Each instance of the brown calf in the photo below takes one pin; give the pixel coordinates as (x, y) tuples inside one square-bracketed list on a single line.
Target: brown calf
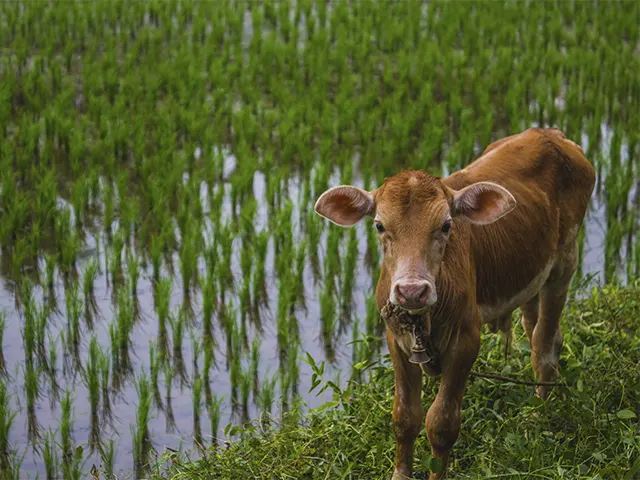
[(471, 248)]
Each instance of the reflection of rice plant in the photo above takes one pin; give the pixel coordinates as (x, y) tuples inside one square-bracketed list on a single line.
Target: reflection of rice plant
[(3, 324)]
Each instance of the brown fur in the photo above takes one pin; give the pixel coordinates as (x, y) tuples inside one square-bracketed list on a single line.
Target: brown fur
[(525, 259), (485, 266)]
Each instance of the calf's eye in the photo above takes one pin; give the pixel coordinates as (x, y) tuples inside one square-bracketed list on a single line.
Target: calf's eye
[(379, 227), (446, 226)]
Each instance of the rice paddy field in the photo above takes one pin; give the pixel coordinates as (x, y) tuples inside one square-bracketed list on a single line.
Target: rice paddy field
[(163, 273)]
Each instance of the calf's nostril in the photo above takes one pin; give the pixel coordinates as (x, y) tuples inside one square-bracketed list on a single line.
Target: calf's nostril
[(412, 293), (400, 295), (424, 294)]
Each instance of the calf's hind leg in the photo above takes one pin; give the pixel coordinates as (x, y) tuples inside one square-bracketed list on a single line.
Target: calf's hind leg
[(546, 338), (530, 312)]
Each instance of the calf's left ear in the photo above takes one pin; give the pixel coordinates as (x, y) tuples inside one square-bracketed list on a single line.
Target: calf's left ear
[(483, 202), (345, 205)]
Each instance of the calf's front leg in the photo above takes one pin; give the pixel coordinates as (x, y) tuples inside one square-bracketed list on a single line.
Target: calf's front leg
[(445, 414), (407, 409)]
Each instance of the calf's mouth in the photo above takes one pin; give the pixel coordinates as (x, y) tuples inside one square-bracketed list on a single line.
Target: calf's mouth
[(411, 330)]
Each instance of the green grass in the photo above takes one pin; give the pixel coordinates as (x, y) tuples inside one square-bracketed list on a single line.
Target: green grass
[(586, 430)]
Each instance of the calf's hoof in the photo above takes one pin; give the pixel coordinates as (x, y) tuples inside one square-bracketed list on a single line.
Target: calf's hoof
[(400, 476), (543, 391)]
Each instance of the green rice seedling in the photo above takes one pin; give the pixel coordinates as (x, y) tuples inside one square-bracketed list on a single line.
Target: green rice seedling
[(52, 371), (155, 363), (125, 315), (74, 311), (65, 427), (162, 296), (88, 281), (69, 244), (3, 324), (328, 319), (196, 349), (168, 382), (209, 360), (349, 272), (41, 323), (92, 381), (256, 343), (208, 302), (50, 277), (246, 382), (7, 416), (178, 323), (115, 261), (108, 455), (260, 245), (191, 245), (313, 231), (293, 368), (225, 275), (235, 378), (104, 366), (213, 408), (332, 259), (140, 432), (19, 257), (32, 394), (300, 265), (114, 337), (156, 253), (227, 321), (197, 401), (50, 457), (266, 398), (133, 267), (29, 330)]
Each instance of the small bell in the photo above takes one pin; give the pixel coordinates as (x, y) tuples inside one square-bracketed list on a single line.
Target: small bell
[(419, 356)]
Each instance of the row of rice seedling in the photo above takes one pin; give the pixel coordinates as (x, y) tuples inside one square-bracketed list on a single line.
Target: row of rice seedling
[(163, 150)]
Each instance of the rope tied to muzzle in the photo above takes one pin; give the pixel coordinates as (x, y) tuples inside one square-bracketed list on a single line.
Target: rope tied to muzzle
[(403, 322), (412, 323)]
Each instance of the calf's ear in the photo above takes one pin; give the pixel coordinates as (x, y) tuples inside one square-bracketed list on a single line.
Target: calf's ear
[(483, 202), (345, 205)]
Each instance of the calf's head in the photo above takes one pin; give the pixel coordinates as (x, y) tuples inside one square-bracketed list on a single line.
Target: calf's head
[(414, 214)]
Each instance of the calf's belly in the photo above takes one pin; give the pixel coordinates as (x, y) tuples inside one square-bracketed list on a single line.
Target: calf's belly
[(505, 306)]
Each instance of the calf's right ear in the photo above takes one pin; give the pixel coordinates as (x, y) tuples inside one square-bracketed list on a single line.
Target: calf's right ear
[(345, 205)]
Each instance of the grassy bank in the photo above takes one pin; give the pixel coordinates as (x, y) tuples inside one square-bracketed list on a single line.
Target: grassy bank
[(588, 430)]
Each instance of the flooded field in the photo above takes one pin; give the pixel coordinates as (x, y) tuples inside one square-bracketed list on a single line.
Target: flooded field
[(163, 273)]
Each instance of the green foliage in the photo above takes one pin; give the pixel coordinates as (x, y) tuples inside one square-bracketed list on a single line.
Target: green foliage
[(588, 429)]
